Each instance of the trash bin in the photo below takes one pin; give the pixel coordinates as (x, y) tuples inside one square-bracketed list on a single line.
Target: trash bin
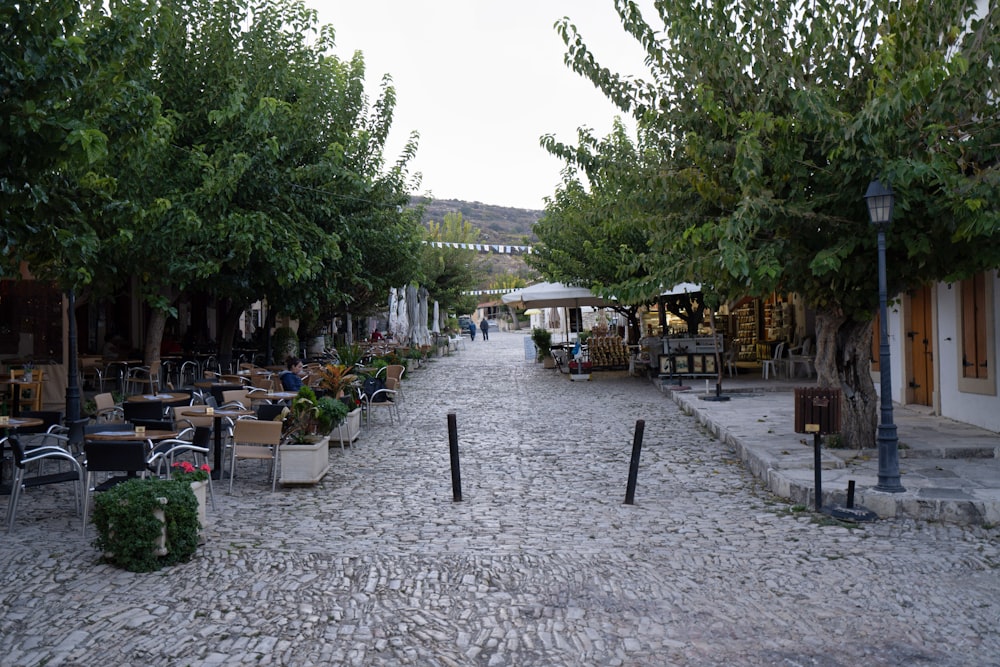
[(817, 410)]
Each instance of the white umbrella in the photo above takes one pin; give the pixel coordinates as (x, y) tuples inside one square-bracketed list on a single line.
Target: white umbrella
[(682, 288), (402, 330), (555, 295), (437, 318), (393, 315)]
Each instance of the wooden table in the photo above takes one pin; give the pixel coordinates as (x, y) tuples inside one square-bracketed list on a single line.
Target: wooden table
[(217, 415), (153, 435)]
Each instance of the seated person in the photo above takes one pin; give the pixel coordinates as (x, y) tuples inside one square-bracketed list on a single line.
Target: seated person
[(290, 379)]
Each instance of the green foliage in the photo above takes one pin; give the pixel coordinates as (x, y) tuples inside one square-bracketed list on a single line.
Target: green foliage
[(350, 355), (767, 120), (285, 343), (542, 338), (449, 272), (330, 413), (127, 530)]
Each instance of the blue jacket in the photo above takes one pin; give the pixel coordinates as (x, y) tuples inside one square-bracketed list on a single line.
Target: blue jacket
[(290, 381)]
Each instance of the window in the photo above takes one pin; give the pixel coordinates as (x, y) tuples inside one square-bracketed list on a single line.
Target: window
[(976, 334)]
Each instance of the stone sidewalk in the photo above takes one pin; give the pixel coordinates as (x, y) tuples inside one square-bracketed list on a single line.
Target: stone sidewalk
[(541, 563), (950, 470)]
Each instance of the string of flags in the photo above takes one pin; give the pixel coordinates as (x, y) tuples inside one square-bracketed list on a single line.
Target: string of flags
[(479, 292), (484, 247)]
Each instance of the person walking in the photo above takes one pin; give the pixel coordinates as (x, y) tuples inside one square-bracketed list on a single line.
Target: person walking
[(472, 330), (484, 326)]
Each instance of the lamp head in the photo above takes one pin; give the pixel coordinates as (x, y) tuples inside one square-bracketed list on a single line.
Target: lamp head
[(880, 200)]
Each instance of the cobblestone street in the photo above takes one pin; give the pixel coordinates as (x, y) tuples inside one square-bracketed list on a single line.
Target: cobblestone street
[(540, 564)]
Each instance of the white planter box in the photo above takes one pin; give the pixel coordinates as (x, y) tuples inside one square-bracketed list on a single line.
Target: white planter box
[(304, 464), (349, 431)]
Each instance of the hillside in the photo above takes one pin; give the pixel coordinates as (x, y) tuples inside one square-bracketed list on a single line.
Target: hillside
[(500, 224)]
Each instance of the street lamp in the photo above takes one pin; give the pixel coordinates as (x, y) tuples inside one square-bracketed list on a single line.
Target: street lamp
[(880, 199)]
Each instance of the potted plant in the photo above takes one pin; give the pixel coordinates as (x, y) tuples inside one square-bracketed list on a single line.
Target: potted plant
[(145, 524), (542, 338), (350, 355), (336, 379), (350, 429), (304, 454), (330, 413)]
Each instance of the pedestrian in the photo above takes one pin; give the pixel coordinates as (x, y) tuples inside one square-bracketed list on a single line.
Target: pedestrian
[(472, 330), (484, 326)]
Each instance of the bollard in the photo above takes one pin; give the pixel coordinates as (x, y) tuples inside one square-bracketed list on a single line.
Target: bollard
[(633, 466), (817, 472), (456, 475), (850, 494)]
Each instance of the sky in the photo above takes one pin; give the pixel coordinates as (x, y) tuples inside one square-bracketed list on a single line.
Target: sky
[(482, 81)]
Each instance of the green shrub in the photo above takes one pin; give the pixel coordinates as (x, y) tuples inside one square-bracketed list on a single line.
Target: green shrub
[(127, 530)]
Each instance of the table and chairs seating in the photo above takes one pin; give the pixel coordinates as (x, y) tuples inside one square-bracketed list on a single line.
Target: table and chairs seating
[(25, 390), (222, 422)]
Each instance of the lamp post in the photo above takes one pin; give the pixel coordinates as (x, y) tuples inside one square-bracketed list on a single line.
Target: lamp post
[(880, 200)]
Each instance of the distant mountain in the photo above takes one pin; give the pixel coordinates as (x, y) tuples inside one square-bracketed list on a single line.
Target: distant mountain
[(499, 224)]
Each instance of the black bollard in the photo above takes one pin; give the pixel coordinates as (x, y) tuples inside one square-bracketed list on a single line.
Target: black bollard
[(818, 471), (456, 475), (850, 494), (633, 466)]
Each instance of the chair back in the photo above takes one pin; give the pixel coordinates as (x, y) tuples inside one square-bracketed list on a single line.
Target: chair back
[(104, 401), (252, 435), (115, 456), (194, 415), (269, 411), (108, 428), (779, 350), (236, 396), (394, 371), (154, 424), (142, 410)]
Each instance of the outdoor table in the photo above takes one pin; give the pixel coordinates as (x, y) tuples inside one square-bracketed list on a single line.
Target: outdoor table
[(165, 398), (281, 395), (217, 415), (153, 435)]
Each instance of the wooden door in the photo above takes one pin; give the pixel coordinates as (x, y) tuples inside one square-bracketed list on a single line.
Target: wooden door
[(920, 348)]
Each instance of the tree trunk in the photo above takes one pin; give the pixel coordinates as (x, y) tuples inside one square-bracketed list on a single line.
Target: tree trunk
[(154, 337), (843, 359)]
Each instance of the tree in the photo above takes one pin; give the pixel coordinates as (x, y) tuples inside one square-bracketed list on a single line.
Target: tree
[(596, 236), (67, 100), (769, 136), (268, 166), (448, 273)]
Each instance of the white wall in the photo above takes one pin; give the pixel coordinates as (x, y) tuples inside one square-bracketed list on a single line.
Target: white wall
[(977, 409)]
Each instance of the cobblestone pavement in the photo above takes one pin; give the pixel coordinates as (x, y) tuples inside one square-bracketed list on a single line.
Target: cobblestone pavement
[(541, 564)]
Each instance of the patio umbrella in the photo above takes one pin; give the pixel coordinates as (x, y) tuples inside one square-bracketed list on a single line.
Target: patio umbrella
[(393, 315), (555, 295), (437, 318)]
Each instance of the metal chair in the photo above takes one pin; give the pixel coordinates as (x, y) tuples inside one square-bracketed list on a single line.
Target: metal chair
[(22, 480), (256, 439), (107, 456), (168, 451)]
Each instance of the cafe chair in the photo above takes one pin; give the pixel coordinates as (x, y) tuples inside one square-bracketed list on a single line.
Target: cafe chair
[(381, 399), (775, 363), (270, 411), (108, 456), (34, 436), (167, 452), (143, 379), (107, 409), (395, 372), (23, 480), (256, 439), (133, 410)]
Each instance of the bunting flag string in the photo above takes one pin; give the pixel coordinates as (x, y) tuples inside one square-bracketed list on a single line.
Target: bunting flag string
[(484, 247), (478, 292)]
